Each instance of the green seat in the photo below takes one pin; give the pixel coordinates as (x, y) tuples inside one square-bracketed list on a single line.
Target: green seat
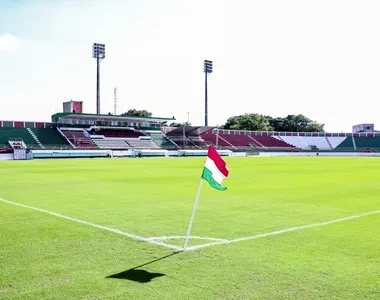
[(50, 137), (17, 134), (347, 144), (367, 142)]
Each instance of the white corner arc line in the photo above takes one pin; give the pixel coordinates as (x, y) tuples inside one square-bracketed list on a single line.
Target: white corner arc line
[(117, 231), (284, 230), (176, 237)]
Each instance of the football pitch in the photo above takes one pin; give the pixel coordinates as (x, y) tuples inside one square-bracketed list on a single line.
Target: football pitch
[(286, 228)]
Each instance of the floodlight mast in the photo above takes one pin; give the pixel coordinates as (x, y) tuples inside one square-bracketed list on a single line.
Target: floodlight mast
[(207, 69), (98, 52)]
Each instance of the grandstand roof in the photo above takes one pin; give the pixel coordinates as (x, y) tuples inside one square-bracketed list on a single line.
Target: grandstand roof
[(56, 116), (190, 130)]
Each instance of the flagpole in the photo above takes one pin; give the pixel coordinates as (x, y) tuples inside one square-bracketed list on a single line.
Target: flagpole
[(193, 214)]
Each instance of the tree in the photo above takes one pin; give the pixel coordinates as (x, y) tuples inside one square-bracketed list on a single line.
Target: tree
[(254, 122), (300, 123), (278, 124), (137, 113), (315, 127), (257, 122), (175, 124)]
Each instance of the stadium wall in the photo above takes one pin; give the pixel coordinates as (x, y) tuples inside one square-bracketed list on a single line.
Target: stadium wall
[(6, 156), (49, 154), (317, 154), (54, 154)]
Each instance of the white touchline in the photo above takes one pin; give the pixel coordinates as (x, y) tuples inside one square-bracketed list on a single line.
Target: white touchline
[(132, 236), (284, 230)]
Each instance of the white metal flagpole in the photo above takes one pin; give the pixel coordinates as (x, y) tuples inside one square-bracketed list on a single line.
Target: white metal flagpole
[(192, 216)]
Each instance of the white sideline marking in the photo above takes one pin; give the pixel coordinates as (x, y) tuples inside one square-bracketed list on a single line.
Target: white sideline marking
[(132, 236), (173, 237), (284, 230)]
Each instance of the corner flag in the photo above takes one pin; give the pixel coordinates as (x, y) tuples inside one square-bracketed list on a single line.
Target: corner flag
[(214, 171)]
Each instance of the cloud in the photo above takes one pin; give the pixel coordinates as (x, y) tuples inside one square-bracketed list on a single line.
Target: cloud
[(8, 43)]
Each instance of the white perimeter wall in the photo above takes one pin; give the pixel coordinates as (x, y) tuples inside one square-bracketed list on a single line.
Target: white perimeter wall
[(6, 156), (320, 154)]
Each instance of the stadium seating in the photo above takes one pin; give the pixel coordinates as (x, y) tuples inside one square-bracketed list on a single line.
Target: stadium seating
[(212, 138), (307, 142), (79, 138), (296, 141), (7, 134), (346, 145), (271, 142), (50, 138), (336, 140), (242, 140), (238, 140), (111, 143), (109, 137), (161, 140), (320, 142), (142, 144), (367, 142), (113, 133), (183, 141), (198, 141)]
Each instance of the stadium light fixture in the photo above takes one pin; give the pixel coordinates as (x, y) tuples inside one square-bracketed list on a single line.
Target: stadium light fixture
[(99, 53), (207, 69)]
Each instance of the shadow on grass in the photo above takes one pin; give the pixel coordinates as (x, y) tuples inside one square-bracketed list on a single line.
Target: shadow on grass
[(141, 276)]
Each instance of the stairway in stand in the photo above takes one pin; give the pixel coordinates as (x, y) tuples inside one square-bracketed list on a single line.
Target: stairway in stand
[(35, 138)]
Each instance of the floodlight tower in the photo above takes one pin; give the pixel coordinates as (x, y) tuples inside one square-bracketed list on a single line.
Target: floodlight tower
[(207, 69), (98, 52), (114, 101)]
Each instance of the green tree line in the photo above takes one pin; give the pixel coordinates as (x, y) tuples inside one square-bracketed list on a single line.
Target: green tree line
[(254, 122), (258, 122)]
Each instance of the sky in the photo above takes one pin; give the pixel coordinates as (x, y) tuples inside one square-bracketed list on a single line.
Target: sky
[(273, 57)]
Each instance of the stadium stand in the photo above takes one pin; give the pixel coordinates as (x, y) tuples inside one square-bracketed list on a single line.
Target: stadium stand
[(17, 134), (237, 139), (162, 140), (107, 137), (367, 142), (89, 131), (335, 140), (324, 143), (193, 137), (111, 143), (296, 141), (142, 144), (198, 141), (270, 142), (244, 140), (346, 145), (50, 138), (307, 142), (124, 143), (215, 140), (79, 138), (116, 132)]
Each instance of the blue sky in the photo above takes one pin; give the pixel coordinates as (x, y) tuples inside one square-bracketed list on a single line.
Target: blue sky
[(320, 58)]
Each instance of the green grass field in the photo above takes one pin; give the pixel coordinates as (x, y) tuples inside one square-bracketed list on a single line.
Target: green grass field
[(43, 256)]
